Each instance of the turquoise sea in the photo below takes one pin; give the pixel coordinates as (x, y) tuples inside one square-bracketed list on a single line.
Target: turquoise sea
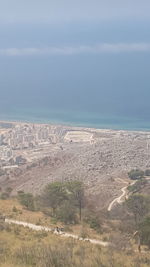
[(76, 118), (100, 91)]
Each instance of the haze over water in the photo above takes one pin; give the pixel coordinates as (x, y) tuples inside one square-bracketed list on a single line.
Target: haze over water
[(76, 69)]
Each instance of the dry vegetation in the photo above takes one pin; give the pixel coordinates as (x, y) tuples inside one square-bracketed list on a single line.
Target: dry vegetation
[(22, 247)]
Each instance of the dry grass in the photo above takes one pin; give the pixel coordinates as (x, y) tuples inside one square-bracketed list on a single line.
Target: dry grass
[(22, 214), (22, 247)]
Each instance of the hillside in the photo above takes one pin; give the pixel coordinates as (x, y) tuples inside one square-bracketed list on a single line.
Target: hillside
[(20, 247), (99, 161)]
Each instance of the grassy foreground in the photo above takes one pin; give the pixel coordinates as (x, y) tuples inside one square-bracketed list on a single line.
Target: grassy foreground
[(22, 247)]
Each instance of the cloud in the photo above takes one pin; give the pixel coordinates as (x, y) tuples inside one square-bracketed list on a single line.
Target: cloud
[(75, 50)]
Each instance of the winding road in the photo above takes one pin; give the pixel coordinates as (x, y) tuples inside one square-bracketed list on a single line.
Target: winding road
[(124, 194)]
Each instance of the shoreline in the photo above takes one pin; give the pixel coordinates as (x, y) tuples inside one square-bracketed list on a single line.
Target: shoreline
[(76, 118), (73, 126)]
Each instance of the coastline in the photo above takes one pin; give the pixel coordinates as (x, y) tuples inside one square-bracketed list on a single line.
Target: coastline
[(76, 118), (73, 126)]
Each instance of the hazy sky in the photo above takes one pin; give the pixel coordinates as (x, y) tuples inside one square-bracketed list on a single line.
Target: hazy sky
[(40, 11), (78, 54), (67, 27)]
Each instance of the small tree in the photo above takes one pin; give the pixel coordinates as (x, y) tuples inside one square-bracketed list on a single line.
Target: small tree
[(59, 195), (144, 230), (76, 189), (136, 174), (138, 205), (53, 195)]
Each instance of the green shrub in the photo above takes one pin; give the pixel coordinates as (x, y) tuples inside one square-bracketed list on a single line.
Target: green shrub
[(27, 200), (4, 195), (93, 220), (147, 172), (95, 224), (145, 231), (138, 185), (14, 209), (136, 174)]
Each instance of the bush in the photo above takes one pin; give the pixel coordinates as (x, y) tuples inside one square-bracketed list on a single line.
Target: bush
[(95, 224), (147, 172), (2, 172), (137, 186), (136, 174), (8, 190), (4, 195), (14, 209), (93, 220), (145, 232), (27, 200)]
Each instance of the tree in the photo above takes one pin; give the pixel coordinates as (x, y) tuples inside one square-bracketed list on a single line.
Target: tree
[(62, 197), (76, 190), (144, 230), (53, 195), (138, 205), (136, 174), (67, 213)]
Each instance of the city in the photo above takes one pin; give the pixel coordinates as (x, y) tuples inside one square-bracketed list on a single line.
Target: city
[(21, 137)]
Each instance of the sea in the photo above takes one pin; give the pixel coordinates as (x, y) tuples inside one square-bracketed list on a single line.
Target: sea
[(98, 91), (77, 118)]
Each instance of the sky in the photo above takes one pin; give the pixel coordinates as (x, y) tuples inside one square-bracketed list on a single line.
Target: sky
[(91, 56), (59, 11)]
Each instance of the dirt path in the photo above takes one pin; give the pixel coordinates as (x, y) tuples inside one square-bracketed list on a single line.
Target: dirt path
[(117, 199), (124, 193), (63, 234)]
